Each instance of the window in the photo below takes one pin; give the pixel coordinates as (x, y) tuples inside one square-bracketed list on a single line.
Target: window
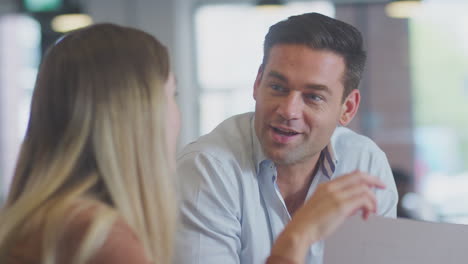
[(20, 54), (439, 49)]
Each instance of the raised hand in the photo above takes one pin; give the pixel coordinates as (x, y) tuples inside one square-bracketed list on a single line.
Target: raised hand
[(327, 208)]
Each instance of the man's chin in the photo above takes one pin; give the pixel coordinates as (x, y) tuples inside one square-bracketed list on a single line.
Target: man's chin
[(280, 157), (279, 153)]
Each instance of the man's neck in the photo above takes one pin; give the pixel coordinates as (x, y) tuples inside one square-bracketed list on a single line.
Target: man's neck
[(294, 181)]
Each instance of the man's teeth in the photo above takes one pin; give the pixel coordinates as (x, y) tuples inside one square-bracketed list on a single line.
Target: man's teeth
[(284, 132)]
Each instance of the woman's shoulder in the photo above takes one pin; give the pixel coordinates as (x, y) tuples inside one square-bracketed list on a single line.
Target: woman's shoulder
[(120, 246), (24, 251), (98, 234)]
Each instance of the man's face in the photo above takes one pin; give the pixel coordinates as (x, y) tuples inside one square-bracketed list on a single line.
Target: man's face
[(298, 96)]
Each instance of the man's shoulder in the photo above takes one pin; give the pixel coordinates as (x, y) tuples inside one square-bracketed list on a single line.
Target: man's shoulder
[(345, 139), (229, 139), (218, 160)]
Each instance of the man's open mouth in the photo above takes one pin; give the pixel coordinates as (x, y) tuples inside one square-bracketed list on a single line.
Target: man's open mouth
[(285, 132)]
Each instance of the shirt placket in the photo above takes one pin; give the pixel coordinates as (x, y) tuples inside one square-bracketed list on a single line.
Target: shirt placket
[(278, 215)]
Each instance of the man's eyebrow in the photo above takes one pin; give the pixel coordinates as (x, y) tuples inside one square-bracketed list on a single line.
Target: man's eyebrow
[(316, 87), (319, 87), (277, 75)]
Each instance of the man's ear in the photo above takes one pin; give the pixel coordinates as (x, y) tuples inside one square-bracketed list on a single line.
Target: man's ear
[(258, 79), (350, 107)]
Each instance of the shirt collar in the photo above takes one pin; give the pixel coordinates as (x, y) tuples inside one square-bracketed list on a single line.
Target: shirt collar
[(327, 160)]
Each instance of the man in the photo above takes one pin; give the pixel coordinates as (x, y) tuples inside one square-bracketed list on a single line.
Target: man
[(241, 183)]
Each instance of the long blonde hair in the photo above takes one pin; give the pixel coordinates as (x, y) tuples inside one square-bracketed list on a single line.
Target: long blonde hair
[(96, 133)]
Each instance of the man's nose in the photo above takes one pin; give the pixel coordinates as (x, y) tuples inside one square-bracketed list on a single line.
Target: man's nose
[(290, 106)]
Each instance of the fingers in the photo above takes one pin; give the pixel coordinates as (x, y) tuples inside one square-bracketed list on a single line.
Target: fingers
[(364, 202), (336, 200), (352, 192), (362, 194), (356, 198)]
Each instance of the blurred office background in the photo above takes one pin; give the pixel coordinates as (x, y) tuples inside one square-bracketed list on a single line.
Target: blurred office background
[(415, 87)]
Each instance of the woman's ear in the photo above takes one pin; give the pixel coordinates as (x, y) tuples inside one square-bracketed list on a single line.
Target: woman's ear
[(350, 107)]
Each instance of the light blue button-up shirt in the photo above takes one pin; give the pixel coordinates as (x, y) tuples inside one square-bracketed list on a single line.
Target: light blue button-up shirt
[(231, 207)]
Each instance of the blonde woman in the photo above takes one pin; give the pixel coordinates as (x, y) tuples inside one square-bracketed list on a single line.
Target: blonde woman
[(93, 183)]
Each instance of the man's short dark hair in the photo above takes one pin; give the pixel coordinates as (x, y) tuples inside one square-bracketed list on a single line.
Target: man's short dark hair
[(322, 33)]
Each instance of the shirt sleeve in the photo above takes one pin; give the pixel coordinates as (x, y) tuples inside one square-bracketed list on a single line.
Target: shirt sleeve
[(387, 198), (209, 230)]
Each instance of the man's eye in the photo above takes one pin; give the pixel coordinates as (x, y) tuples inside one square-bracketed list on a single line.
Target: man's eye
[(314, 97), (277, 88)]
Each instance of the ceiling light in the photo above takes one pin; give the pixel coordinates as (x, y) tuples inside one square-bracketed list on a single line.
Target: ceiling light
[(402, 8), (67, 22), (270, 3)]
